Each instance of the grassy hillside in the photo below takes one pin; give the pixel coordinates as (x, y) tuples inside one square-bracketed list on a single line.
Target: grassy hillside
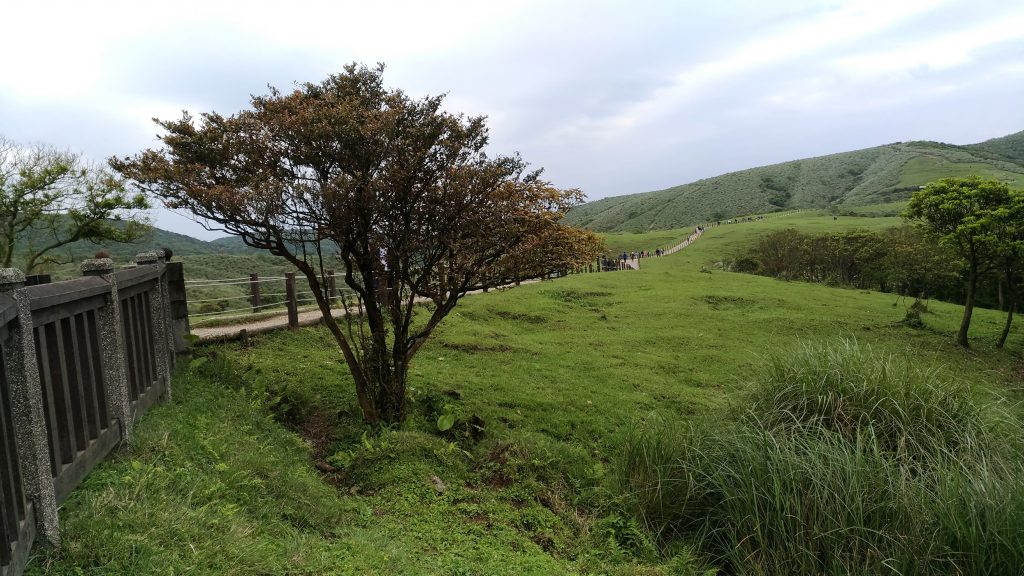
[(838, 181), (560, 372)]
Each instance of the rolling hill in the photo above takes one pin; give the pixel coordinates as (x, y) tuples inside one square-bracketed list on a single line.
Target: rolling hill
[(870, 176)]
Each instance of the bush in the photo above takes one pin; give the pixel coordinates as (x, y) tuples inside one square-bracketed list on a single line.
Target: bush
[(852, 391), (846, 462)]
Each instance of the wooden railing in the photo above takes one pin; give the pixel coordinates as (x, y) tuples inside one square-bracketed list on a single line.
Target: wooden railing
[(82, 361)]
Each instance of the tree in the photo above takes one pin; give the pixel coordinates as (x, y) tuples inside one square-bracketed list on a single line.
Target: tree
[(958, 212), (1008, 227), (50, 198), (399, 191)]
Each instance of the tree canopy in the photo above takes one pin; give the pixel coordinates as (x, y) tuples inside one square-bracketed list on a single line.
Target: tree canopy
[(50, 198), (963, 213), (398, 191)]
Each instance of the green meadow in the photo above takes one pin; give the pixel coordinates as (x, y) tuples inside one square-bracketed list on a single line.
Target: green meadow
[(260, 463)]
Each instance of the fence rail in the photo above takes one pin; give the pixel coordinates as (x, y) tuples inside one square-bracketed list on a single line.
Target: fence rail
[(80, 362), (285, 294)]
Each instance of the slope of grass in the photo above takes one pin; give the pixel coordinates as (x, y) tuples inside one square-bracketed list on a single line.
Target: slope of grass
[(556, 371), (870, 176), (924, 169), (1007, 147)]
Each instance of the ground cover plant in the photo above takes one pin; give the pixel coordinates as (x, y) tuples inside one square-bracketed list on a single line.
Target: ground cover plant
[(542, 385)]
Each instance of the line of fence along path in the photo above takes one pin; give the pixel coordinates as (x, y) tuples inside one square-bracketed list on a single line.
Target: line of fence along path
[(241, 325), (80, 362), (262, 294)]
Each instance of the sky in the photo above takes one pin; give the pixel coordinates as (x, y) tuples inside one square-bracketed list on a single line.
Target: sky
[(609, 97)]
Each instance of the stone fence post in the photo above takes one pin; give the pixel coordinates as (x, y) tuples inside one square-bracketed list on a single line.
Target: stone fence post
[(159, 312), (178, 308), (27, 408), (111, 334)]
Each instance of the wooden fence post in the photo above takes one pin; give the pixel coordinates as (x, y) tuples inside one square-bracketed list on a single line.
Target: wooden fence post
[(332, 287), (254, 290), (293, 308), (27, 410)]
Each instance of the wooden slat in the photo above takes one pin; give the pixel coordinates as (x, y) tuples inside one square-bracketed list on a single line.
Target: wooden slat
[(62, 382), (96, 364), (49, 401), (128, 279), (73, 474), (129, 351), (136, 289), (73, 378), (7, 538), (140, 345), (23, 544), (133, 335), (53, 313), (84, 357), (146, 315), (64, 293), (146, 401)]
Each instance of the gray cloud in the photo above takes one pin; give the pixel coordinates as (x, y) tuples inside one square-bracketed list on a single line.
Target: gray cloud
[(610, 98)]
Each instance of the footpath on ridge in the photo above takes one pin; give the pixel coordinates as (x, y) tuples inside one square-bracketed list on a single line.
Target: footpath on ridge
[(310, 317)]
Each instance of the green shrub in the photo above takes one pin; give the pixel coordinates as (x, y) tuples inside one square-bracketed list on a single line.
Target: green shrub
[(847, 462), (852, 391)]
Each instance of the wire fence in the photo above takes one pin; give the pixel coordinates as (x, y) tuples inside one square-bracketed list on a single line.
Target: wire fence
[(212, 300)]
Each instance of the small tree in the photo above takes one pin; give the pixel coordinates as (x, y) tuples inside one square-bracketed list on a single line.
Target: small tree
[(958, 212), (399, 191), (50, 198), (1008, 226)]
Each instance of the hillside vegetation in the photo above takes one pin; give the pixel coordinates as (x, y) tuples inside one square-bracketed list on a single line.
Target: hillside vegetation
[(572, 474), (840, 182)]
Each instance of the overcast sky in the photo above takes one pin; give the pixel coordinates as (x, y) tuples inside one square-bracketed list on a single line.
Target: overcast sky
[(610, 97)]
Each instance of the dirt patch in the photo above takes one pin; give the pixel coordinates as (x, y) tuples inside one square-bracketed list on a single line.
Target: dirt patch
[(318, 430)]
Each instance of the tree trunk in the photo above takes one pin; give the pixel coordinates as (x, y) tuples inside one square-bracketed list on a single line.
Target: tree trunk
[(1002, 302), (1006, 327), (391, 397), (965, 323), (1011, 307)]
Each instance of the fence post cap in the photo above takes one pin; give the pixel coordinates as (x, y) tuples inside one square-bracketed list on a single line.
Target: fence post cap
[(96, 266), (147, 257), (11, 278)]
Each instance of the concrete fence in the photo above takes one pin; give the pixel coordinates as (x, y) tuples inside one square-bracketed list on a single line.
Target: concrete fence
[(80, 362)]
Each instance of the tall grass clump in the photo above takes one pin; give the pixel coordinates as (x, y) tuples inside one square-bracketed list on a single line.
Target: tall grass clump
[(851, 390), (845, 461)]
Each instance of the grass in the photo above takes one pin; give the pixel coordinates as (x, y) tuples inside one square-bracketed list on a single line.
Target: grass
[(924, 169), (842, 461), (557, 371)]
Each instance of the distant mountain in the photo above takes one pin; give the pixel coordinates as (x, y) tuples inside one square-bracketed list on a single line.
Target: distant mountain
[(232, 245), (870, 176)]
